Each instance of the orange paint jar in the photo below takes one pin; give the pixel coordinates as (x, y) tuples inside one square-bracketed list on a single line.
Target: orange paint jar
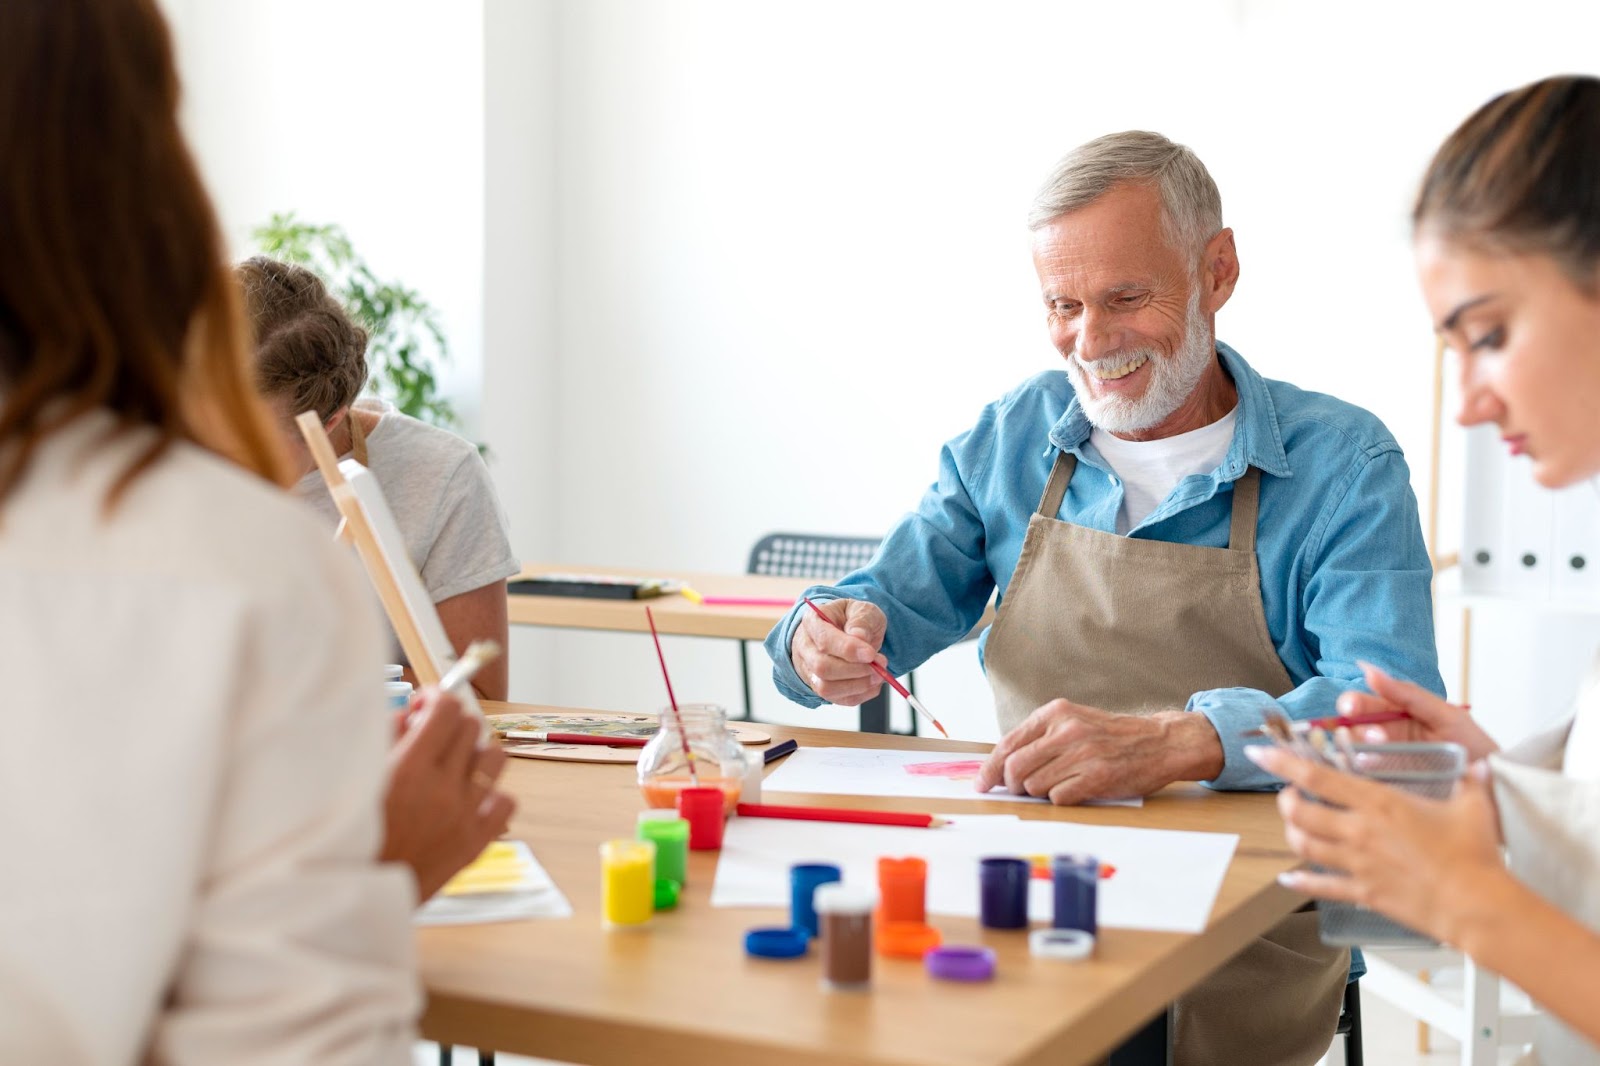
[(902, 891)]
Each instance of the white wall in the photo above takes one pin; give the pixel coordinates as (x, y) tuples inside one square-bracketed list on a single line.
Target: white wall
[(735, 267), (365, 114), (520, 268), (792, 256)]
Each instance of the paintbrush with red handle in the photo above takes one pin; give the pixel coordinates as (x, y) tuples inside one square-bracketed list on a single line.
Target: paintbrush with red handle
[(915, 703)]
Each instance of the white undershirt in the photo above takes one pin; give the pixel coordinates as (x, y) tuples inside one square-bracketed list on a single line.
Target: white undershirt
[(1151, 469)]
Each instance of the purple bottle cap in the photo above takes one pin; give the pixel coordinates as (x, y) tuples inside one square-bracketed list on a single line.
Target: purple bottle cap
[(960, 963)]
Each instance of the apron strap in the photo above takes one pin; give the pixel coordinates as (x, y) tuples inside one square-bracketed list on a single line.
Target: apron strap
[(1246, 500), (1246, 497), (1055, 490)]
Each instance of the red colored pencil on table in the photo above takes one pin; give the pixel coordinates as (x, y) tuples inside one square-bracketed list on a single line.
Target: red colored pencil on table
[(894, 683), (842, 814)]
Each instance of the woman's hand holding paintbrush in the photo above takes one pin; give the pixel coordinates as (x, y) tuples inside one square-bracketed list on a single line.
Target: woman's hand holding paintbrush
[(441, 807)]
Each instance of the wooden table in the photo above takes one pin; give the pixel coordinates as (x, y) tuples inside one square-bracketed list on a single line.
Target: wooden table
[(684, 994), (674, 614), (677, 616)]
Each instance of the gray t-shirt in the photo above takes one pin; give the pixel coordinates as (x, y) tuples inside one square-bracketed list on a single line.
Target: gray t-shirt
[(442, 498)]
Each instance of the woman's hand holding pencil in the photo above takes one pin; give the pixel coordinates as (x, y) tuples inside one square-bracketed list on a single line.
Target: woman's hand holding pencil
[(1428, 718)]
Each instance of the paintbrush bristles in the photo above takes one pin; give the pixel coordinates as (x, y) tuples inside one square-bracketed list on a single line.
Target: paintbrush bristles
[(479, 654)]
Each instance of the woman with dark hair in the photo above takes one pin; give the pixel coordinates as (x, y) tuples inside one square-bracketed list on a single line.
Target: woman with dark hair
[(309, 356), (1507, 232), (194, 736)]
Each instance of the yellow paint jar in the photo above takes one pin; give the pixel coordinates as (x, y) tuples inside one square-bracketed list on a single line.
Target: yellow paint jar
[(627, 882)]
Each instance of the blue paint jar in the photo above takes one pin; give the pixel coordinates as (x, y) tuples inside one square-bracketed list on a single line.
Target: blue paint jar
[(1076, 880), (803, 882), (1003, 893)]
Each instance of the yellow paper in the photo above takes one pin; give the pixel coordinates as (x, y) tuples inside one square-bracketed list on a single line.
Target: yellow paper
[(499, 868)]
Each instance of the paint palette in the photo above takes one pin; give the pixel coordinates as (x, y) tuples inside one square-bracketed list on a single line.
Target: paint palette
[(626, 726)]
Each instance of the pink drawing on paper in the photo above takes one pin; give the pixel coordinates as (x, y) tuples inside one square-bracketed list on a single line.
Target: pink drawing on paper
[(964, 770)]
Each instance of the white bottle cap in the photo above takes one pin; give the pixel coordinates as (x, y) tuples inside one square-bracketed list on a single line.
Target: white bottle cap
[(836, 897), (1071, 944)]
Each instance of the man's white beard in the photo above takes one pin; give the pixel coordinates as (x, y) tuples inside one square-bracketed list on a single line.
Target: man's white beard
[(1172, 380)]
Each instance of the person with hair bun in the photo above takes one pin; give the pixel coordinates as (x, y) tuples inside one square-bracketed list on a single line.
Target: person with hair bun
[(1507, 237), (311, 357)]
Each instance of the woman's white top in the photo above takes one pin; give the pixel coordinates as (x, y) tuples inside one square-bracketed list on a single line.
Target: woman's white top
[(1548, 793), (191, 767)]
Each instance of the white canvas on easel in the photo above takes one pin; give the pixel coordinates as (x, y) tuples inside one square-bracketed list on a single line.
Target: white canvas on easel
[(370, 526)]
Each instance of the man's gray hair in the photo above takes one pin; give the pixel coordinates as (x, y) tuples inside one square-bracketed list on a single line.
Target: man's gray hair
[(1192, 212)]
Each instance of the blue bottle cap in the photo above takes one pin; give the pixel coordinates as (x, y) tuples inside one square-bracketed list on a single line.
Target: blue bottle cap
[(776, 943)]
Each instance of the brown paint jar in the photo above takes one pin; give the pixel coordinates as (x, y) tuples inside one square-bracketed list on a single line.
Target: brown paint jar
[(844, 915)]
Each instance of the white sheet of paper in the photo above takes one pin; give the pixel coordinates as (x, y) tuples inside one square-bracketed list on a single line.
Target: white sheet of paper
[(537, 896), (875, 772), (1165, 879)]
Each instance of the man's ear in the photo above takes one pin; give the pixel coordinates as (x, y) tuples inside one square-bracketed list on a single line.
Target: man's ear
[(1219, 271)]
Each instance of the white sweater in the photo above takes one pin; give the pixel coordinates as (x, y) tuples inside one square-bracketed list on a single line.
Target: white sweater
[(192, 743)]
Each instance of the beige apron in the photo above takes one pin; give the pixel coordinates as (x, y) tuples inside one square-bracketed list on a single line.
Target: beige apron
[(1135, 626)]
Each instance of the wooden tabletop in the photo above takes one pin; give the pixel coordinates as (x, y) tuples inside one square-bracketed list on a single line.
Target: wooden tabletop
[(674, 614), (683, 993)]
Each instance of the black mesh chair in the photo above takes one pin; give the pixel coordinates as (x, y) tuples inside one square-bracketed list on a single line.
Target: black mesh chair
[(822, 558)]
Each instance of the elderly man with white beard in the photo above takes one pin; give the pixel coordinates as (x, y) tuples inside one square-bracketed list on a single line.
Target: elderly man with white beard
[(1177, 543)]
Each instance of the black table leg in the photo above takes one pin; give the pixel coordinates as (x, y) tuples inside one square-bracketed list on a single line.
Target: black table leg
[(1150, 1046)]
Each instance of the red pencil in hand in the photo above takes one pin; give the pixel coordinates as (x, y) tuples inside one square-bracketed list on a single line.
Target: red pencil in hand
[(1340, 721)]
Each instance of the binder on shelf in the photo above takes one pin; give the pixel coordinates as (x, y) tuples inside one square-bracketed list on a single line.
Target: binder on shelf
[(1575, 544), (1484, 556), (1530, 511)]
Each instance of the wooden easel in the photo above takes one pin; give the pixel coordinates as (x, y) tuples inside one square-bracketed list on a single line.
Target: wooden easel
[(382, 566)]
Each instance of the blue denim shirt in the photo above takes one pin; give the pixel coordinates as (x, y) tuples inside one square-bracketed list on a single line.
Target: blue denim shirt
[(1344, 571)]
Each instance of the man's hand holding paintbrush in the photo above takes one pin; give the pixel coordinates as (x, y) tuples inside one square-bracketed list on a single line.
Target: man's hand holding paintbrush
[(835, 649)]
